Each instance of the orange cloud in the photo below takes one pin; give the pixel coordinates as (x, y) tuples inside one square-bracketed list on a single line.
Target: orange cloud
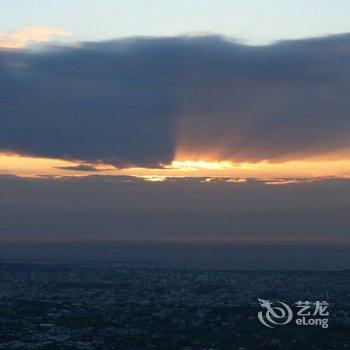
[(271, 173), (31, 35)]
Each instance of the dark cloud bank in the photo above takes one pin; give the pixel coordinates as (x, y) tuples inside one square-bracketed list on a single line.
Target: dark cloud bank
[(295, 226), (128, 101)]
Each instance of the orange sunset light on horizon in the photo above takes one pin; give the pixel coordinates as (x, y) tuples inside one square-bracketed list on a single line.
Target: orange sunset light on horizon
[(29, 166)]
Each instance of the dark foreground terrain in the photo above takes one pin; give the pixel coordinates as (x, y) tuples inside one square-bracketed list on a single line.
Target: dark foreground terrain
[(106, 305)]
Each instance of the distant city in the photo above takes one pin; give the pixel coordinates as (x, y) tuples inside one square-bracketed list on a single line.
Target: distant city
[(109, 305)]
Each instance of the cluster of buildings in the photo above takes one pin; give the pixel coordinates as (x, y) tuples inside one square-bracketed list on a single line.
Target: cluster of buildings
[(106, 305)]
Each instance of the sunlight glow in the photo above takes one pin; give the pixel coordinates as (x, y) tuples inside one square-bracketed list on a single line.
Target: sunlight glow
[(191, 165), (153, 178), (26, 166)]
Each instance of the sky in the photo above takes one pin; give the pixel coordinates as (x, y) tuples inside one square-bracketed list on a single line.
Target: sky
[(160, 127), (254, 21)]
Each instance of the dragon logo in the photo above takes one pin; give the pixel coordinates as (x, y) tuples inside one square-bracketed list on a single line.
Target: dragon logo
[(274, 315)]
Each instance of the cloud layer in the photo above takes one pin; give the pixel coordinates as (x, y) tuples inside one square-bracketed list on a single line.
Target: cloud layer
[(32, 35), (123, 207), (139, 101)]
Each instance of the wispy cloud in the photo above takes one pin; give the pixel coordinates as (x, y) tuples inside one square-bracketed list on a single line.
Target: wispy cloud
[(80, 167), (32, 35)]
